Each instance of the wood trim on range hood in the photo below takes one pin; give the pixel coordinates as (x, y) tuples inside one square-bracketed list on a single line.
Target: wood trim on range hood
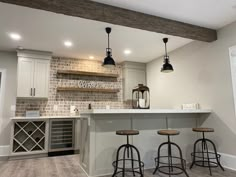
[(101, 12)]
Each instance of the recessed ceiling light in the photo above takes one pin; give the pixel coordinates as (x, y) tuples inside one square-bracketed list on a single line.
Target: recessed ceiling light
[(127, 52), (68, 43), (91, 57), (15, 36)]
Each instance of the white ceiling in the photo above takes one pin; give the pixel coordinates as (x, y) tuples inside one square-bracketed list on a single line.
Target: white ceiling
[(41, 30), (207, 13)]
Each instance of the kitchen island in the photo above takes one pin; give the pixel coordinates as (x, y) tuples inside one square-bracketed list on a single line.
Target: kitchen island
[(99, 141)]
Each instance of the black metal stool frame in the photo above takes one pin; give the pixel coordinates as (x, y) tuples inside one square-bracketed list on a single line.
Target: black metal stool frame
[(129, 149), (170, 157), (204, 150)]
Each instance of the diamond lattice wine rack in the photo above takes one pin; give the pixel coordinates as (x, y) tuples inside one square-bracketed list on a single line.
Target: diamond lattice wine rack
[(29, 136)]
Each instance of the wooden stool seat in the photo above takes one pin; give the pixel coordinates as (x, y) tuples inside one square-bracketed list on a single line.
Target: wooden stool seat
[(127, 132), (203, 129), (168, 132)]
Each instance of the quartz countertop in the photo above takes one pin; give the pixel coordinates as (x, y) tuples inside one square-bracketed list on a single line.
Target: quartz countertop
[(120, 111), (47, 117), (144, 111)]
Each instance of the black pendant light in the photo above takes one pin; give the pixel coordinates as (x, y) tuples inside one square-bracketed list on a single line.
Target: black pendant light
[(167, 67), (108, 60)]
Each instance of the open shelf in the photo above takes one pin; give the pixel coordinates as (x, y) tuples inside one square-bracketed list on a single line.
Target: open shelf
[(85, 73), (87, 89), (29, 136)]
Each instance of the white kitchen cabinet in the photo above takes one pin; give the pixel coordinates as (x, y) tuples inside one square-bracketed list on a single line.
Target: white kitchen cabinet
[(25, 77), (41, 78), (133, 74), (33, 74)]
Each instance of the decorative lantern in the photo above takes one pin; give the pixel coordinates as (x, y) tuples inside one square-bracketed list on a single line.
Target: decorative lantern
[(141, 97)]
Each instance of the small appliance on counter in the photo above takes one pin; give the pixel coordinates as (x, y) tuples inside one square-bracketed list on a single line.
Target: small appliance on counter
[(141, 97)]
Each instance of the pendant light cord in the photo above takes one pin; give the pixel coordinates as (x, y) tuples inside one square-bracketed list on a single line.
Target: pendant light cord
[(108, 41), (166, 49)]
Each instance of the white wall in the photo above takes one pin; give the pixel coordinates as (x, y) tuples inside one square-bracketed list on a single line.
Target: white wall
[(202, 75), (232, 53), (8, 62)]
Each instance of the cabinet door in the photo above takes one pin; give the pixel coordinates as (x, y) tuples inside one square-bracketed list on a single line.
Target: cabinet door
[(133, 78), (41, 78), (25, 77)]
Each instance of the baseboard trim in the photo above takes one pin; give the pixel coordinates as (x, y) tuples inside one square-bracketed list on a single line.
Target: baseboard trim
[(107, 174), (228, 161), (31, 156), (4, 151), (4, 158)]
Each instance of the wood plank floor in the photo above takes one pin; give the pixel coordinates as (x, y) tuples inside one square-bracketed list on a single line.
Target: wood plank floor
[(68, 166)]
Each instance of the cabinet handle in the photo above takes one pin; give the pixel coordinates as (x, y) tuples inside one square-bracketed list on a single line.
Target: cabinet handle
[(34, 91), (31, 92)]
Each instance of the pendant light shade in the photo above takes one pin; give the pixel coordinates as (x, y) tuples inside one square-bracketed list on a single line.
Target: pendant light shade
[(167, 67), (108, 60)]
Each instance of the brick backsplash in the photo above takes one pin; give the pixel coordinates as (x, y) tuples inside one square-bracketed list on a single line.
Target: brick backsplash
[(64, 99)]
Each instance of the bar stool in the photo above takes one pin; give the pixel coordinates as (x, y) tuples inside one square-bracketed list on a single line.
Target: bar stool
[(172, 167), (204, 158), (128, 163)]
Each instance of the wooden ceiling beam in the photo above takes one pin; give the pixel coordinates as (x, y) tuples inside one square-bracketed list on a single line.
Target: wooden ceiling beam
[(100, 12)]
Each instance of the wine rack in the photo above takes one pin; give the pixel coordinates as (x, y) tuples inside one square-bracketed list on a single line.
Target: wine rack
[(61, 135), (29, 137)]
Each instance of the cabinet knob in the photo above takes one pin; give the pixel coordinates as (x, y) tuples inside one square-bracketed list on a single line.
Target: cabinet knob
[(34, 91), (31, 92)]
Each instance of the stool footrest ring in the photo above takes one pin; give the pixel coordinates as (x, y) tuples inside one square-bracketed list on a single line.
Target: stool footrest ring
[(203, 161), (135, 169), (205, 157), (176, 168), (118, 164)]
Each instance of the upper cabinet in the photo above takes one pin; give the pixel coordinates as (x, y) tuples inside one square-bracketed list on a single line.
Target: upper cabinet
[(33, 74), (133, 74)]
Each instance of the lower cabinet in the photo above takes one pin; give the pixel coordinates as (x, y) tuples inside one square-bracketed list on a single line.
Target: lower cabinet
[(29, 137), (33, 137)]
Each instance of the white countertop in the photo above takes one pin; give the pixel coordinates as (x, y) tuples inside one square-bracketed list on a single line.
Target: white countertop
[(120, 111), (47, 117), (143, 111)]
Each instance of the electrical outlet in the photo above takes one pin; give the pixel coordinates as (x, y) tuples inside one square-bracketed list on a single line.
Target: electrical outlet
[(55, 108)]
